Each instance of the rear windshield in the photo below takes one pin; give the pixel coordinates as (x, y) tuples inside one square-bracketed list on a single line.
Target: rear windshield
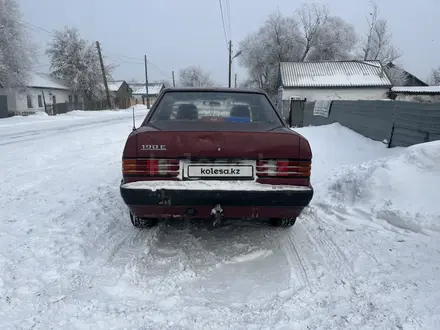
[(231, 107)]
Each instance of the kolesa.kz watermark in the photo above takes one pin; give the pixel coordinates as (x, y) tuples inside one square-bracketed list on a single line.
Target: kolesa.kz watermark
[(220, 171)]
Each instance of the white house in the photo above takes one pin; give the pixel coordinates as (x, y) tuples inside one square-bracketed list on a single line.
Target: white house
[(423, 94), (120, 93), (41, 89), (139, 91), (333, 80)]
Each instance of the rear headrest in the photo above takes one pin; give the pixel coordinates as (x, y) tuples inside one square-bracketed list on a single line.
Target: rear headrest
[(187, 111), (240, 111)]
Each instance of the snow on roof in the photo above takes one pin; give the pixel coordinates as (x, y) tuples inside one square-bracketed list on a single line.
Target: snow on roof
[(42, 80), (334, 74), (153, 89), (417, 89), (113, 86)]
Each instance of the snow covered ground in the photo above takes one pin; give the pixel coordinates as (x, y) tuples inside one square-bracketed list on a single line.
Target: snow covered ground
[(365, 254)]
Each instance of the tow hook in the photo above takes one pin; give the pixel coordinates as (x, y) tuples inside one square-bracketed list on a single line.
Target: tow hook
[(217, 215)]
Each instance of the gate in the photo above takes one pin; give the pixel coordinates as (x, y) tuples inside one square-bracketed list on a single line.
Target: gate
[(4, 113), (296, 112)]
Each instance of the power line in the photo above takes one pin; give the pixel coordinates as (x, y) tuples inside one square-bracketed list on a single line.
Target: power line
[(31, 26), (139, 61), (223, 22), (36, 28), (135, 60), (228, 11)]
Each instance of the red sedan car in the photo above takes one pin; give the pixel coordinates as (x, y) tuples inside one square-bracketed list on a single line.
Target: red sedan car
[(215, 153)]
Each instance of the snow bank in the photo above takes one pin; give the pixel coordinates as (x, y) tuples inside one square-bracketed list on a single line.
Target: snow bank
[(362, 176), (401, 190), (93, 113), (334, 146), (41, 116)]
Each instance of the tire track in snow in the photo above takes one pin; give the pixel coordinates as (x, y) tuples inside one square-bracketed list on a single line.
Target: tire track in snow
[(297, 248), (29, 135), (328, 249), (174, 256)]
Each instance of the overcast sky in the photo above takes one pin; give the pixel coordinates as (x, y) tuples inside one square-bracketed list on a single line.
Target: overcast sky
[(177, 33)]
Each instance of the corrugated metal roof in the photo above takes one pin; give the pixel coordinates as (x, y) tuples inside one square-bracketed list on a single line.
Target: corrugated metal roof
[(334, 74), (42, 80), (417, 89), (113, 86), (139, 89)]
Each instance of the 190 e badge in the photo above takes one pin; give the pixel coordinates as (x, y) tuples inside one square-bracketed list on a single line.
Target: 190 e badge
[(157, 147)]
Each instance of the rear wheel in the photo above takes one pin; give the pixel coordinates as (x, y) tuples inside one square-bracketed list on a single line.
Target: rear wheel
[(140, 222), (283, 222)]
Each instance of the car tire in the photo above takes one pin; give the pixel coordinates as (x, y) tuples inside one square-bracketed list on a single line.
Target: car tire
[(140, 222), (283, 222)]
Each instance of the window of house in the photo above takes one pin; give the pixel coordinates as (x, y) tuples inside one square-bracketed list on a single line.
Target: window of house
[(70, 99), (29, 101), (40, 101), (76, 98)]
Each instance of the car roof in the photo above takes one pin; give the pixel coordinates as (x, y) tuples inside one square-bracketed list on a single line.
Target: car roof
[(214, 89)]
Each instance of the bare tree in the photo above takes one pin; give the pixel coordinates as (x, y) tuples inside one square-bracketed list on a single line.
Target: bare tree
[(17, 53), (309, 34), (378, 41), (75, 60), (194, 76), (312, 18)]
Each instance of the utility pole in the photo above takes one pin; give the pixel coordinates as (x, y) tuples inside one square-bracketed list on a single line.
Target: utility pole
[(146, 81), (235, 83), (174, 81), (230, 62), (104, 76)]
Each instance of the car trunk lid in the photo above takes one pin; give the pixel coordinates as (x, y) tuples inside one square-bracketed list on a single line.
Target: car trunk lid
[(219, 144)]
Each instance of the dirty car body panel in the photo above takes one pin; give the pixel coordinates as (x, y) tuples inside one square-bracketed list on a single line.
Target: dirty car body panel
[(215, 152)]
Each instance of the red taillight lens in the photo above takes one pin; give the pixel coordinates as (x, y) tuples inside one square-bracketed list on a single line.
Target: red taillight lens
[(283, 168), (151, 167)]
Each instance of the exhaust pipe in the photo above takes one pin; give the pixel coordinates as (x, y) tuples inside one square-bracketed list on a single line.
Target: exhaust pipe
[(217, 215)]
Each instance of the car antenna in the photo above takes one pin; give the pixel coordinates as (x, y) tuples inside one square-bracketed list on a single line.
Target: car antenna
[(134, 123)]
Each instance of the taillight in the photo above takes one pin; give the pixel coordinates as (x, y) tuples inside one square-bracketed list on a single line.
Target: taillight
[(151, 167), (284, 168)]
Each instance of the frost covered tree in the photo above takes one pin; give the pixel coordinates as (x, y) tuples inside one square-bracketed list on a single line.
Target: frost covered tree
[(194, 76), (16, 50), (435, 76), (336, 40), (76, 60), (378, 42), (276, 41), (309, 34)]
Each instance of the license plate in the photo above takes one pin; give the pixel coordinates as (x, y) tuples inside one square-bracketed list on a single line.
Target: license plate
[(220, 171)]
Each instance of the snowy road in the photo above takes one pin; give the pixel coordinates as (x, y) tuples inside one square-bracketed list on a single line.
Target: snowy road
[(366, 254)]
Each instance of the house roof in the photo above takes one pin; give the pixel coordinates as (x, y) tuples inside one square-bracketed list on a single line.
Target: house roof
[(334, 74), (411, 79), (153, 88), (43, 80), (416, 89), (113, 86)]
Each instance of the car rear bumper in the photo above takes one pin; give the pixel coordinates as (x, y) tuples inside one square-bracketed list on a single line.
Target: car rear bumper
[(196, 199)]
